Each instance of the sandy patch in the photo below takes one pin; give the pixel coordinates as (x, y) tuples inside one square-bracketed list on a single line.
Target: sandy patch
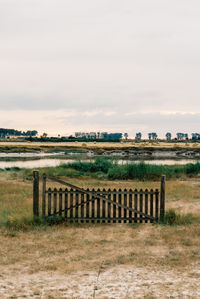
[(116, 282)]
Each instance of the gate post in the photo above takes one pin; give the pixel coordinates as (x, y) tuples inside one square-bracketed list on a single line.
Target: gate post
[(162, 197), (44, 180), (35, 193)]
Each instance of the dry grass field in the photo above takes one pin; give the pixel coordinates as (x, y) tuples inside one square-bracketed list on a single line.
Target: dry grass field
[(100, 260), (45, 146)]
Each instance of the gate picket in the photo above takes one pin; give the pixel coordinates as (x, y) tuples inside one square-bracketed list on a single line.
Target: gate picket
[(151, 204), (135, 204), (103, 206), (87, 206), (66, 203), (71, 203), (146, 204), (98, 206), (125, 204), (130, 204), (49, 201), (60, 201), (93, 207), (156, 204), (77, 206), (54, 201), (141, 204), (114, 207), (109, 206), (82, 207), (119, 208)]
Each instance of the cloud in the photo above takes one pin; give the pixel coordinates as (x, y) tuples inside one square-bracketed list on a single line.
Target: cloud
[(133, 64), (66, 122)]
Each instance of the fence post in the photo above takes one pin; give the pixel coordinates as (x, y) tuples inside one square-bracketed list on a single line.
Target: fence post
[(162, 197), (35, 193), (44, 179)]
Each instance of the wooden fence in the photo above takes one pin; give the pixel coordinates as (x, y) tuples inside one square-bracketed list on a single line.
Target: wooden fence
[(98, 205)]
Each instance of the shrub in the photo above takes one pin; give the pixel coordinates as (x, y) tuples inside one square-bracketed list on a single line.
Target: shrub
[(172, 218), (192, 169), (100, 164)]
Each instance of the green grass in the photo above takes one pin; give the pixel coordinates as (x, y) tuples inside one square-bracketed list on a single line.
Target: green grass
[(103, 168), (173, 218)]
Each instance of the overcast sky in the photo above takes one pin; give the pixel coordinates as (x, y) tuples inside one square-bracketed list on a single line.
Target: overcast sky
[(108, 65)]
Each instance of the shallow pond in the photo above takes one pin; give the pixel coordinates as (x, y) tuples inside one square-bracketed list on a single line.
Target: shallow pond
[(38, 160)]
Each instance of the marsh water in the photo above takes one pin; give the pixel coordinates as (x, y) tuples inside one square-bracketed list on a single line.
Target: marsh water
[(38, 160)]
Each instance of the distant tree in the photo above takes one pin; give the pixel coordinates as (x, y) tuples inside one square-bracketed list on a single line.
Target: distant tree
[(182, 136), (44, 135), (168, 136), (152, 136), (126, 136), (195, 136), (138, 136)]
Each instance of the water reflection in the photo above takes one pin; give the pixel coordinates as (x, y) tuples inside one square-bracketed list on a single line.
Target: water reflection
[(30, 155), (53, 162)]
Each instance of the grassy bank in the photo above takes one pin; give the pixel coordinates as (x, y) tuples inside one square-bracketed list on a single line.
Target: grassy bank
[(103, 168)]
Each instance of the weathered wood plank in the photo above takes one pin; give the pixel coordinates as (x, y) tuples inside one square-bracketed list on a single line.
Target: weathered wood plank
[(55, 192), (93, 205), (103, 206), (156, 204), (49, 201), (119, 208), (77, 203), (135, 204), (60, 201), (141, 203), (130, 204), (82, 207), (98, 205), (71, 203), (109, 205), (88, 205), (146, 203), (125, 204), (151, 203), (66, 203), (114, 206), (35, 193), (106, 219), (44, 181), (162, 197)]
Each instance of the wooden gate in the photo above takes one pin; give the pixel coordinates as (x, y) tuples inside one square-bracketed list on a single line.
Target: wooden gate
[(98, 205)]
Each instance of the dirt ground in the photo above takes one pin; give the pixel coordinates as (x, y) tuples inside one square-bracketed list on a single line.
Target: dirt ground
[(101, 261), (116, 282)]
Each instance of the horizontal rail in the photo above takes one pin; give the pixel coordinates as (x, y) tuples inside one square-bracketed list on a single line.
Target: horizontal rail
[(101, 218), (107, 192)]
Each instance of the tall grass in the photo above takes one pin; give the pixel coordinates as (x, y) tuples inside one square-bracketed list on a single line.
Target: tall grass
[(139, 171), (173, 218), (103, 168), (100, 164)]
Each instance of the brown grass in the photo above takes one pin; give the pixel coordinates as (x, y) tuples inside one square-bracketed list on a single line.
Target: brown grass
[(16, 194), (45, 146), (72, 251), (68, 248)]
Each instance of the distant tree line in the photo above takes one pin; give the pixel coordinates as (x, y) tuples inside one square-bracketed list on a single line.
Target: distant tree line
[(12, 132)]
